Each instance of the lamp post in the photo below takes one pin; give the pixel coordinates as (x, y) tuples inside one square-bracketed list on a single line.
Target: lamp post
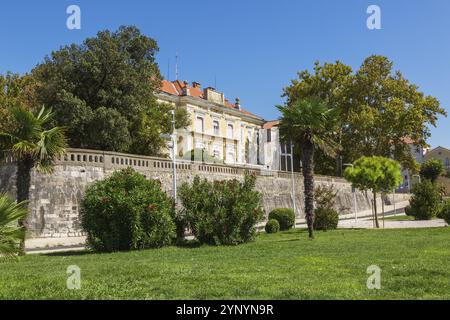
[(291, 155), (172, 145), (294, 202), (174, 162), (354, 194)]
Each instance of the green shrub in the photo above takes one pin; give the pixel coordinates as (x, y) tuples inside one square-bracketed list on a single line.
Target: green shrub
[(425, 202), (432, 169), (221, 212), (272, 226), (325, 219), (445, 211), (126, 212), (284, 216), (325, 196), (409, 211)]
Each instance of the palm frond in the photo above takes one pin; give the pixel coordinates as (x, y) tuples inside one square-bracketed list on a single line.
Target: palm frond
[(10, 232), (51, 144), (309, 120)]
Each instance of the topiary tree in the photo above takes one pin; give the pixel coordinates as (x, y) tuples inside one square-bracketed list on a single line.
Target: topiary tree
[(431, 169), (125, 212), (272, 226), (377, 174), (284, 216)]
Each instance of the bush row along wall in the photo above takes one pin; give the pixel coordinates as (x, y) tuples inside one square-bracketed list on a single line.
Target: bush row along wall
[(55, 199)]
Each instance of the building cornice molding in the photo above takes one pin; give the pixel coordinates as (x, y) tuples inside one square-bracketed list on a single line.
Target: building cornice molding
[(209, 105)]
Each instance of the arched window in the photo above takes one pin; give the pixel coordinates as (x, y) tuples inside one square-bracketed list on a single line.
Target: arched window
[(199, 125), (216, 127), (230, 133)]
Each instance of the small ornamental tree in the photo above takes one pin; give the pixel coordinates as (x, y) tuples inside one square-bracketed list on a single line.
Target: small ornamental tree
[(377, 174), (431, 169)]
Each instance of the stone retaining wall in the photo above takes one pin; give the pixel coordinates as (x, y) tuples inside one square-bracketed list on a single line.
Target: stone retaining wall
[(55, 198)]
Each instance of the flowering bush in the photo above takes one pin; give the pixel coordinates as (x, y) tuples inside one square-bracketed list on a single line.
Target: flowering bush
[(221, 212), (126, 212)]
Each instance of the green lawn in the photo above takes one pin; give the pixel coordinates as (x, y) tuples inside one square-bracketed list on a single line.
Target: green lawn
[(415, 264), (398, 218)]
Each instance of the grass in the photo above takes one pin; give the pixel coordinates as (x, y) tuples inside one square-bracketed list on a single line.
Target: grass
[(398, 218), (414, 263)]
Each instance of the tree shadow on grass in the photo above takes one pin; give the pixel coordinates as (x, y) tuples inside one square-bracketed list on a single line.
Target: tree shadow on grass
[(70, 253)]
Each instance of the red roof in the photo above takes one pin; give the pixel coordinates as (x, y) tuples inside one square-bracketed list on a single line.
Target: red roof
[(271, 124), (176, 88), (408, 140)]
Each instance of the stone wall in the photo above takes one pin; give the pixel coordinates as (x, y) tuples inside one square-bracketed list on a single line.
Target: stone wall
[(55, 198)]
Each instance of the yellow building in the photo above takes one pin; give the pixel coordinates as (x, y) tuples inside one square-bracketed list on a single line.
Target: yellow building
[(440, 153), (220, 131)]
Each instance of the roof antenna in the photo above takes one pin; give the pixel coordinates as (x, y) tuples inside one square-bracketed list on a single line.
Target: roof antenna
[(176, 66), (215, 82), (168, 69)]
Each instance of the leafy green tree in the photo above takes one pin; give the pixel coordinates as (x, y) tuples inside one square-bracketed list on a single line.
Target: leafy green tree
[(104, 90), (10, 233), (377, 174), (14, 92), (32, 145), (432, 169), (307, 122), (378, 108)]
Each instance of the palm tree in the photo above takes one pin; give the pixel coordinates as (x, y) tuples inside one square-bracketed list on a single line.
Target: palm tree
[(32, 145), (307, 122), (10, 233)]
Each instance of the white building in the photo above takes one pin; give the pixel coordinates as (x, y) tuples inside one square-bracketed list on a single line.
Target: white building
[(220, 131)]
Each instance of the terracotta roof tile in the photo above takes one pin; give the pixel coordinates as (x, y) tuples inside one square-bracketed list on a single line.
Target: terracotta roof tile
[(176, 88), (271, 124)]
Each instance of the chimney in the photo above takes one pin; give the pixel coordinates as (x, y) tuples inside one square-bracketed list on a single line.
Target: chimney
[(186, 91), (196, 85), (212, 95), (237, 104)]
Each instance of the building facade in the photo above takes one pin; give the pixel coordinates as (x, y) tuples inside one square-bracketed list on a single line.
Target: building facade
[(417, 153), (440, 153), (221, 131)]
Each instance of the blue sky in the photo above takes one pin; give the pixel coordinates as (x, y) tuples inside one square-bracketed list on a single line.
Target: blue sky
[(250, 49)]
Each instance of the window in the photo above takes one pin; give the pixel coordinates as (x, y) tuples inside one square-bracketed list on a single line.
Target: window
[(230, 131), (216, 127), (258, 160), (199, 124), (269, 135)]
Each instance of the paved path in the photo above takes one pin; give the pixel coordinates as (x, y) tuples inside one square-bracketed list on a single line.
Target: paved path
[(367, 223)]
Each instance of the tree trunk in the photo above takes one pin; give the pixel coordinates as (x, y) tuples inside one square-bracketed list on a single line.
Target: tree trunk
[(375, 209), (308, 182), (23, 183)]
